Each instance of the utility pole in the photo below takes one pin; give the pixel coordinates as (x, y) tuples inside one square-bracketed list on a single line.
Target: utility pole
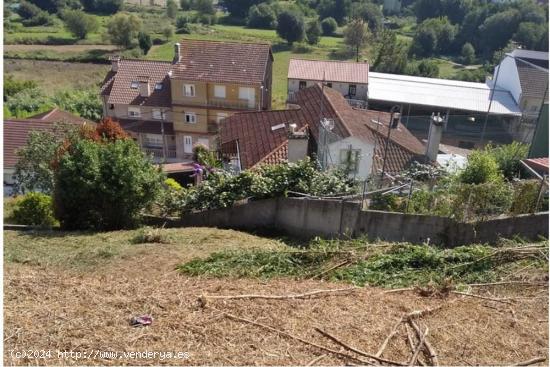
[(392, 124)]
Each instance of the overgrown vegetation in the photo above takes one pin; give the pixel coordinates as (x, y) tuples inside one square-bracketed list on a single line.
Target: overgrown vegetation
[(386, 265), (221, 189), (34, 209)]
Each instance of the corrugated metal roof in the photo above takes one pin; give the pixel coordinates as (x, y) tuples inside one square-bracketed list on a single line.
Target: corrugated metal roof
[(332, 71), (443, 93)]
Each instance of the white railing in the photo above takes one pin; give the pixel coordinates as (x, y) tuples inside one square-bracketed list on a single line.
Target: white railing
[(157, 152)]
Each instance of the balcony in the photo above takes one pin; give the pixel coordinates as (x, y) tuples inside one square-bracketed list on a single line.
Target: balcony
[(156, 152), (241, 104)]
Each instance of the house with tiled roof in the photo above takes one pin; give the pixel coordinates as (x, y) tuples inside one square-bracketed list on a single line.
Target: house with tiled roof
[(524, 73), (349, 78), (340, 135), (169, 107), (16, 133)]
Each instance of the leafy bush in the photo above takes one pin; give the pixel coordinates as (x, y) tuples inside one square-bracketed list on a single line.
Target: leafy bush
[(150, 235), (508, 158), (313, 32), (79, 23), (27, 10), (290, 26), (34, 209), (104, 185), (27, 101), (12, 86), (42, 18), (386, 202), (526, 194), (85, 103), (102, 6), (329, 26), (481, 201), (222, 190), (262, 16), (182, 25), (144, 41), (172, 184), (481, 168)]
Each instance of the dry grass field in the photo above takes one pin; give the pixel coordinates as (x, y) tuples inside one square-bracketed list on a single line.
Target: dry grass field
[(78, 291)]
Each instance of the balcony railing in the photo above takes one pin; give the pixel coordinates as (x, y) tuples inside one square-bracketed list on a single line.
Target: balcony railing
[(243, 104), (157, 152)]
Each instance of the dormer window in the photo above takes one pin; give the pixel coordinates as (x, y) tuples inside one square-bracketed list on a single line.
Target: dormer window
[(134, 85), (158, 86)]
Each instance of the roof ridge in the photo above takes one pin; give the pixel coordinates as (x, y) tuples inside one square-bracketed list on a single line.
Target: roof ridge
[(333, 61), (324, 95), (375, 132), (146, 60), (224, 41)]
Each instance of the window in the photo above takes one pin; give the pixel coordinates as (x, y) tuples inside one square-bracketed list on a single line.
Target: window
[(302, 85), (111, 106), (189, 90), (157, 114), (134, 112), (187, 144), (158, 86), (329, 84), (249, 94), (349, 160), (152, 140), (219, 91), (352, 90), (220, 116), (134, 85), (191, 118)]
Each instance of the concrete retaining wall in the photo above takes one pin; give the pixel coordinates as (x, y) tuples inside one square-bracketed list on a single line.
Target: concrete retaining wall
[(304, 217)]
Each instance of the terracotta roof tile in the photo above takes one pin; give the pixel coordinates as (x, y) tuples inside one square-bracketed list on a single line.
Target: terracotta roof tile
[(222, 61), (118, 86), (337, 71), (16, 131), (258, 143)]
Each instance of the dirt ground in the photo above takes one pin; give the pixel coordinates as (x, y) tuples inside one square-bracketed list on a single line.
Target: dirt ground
[(56, 309)]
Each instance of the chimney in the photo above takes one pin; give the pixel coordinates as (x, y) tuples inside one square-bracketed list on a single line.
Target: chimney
[(177, 52), (434, 136), (297, 144), (144, 87), (114, 63)]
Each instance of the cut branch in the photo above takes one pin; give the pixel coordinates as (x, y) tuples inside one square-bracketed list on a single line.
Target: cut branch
[(531, 361), (343, 263), (389, 337), (291, 296), (412, 362), (360, 352), (503, 300), (288, 335), (431, 352)]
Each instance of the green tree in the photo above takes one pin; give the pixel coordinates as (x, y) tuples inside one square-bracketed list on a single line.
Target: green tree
[(262, 16), (186, 4), (337, 9), (424, 42), (171, 9), (34, 171), (168, 32), (102, 6), (123, 29), (425, 9), (27, 10), (145, 42), (481, 168), (313, 32), (498, 29), (329, 26), (468, 53), (204, 6), (79, 23), (104, 185), (239, 8), (356, 35), (391, 55), (530, 34), (290, 26), (370, 13)]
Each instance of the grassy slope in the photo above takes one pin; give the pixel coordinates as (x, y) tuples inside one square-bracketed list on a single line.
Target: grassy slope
[(87, 250)]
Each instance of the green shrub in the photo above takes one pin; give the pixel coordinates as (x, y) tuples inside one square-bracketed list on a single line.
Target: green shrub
[(150, 235), (329, 26), (481, 168), (387, 202), (262, 16), (526, 194), (508, 158), (79, 23), (34, 208), (481, 201), (100, 185), (172, 184)]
